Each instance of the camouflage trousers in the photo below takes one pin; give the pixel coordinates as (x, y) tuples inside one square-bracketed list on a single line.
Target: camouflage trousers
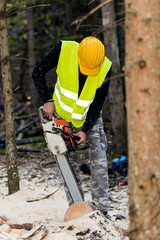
[(96, 138)]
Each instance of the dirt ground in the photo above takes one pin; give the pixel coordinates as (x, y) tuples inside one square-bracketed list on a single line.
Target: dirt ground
[(42, 198)]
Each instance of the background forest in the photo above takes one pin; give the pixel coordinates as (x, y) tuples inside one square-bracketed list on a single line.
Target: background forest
[(130, 31), (35, 26)]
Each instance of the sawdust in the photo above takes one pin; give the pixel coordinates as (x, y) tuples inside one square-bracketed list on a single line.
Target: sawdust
[(91, 226), (36, 182)]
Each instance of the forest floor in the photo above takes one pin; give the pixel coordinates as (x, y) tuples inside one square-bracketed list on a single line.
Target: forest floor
[(40, 178), (41, 197)]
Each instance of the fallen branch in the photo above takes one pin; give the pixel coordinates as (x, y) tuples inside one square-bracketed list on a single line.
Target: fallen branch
[(29, 142), (2, 144), (26, 126), (27, 150), (45, 197)]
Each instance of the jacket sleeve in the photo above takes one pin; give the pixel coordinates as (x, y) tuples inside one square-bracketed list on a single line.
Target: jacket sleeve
[(40, 70), (97, 104)]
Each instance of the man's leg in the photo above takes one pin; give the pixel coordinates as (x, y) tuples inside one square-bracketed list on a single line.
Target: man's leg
[(98, 163)]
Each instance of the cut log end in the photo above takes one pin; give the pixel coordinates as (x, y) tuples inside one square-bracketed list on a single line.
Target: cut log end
[(78, 210)]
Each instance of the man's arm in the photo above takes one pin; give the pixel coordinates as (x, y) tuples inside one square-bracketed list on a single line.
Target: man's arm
[(39, 72)]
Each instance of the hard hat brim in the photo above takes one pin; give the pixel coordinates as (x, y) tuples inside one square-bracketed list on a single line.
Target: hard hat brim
[(89, 71)]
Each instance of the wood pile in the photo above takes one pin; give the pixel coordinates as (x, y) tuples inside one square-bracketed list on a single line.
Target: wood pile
[(27, 231), (92, 226)]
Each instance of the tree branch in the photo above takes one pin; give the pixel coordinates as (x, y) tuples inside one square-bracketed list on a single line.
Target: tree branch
[(14, 10), (104, 29), (82, 18)]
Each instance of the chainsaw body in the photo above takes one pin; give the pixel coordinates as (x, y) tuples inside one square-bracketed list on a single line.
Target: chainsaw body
[(57, 134)]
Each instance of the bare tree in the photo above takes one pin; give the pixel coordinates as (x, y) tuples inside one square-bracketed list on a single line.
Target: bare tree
[(143, 114), (31, 53), (116, 97), (11, 151)]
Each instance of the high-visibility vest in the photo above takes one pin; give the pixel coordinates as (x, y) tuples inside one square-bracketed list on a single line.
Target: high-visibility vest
[(68, 104)]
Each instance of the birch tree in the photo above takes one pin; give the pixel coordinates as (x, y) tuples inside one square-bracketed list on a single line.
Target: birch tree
[(143, 114), (116, 98), (11, 151)]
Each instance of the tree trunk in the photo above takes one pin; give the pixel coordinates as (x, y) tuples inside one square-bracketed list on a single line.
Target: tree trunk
[(143, 114), (11, 151), (116, 98), (31, 54)]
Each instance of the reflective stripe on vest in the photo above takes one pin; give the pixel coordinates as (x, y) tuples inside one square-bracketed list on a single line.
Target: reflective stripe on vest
[(67, 93), (68, 104), (63, 106), (71, 95)]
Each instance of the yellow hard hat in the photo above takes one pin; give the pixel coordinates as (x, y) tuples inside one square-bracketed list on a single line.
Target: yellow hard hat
[(91, 55)]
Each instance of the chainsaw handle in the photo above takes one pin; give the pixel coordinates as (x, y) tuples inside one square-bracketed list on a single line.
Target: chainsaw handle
[(70, 135), (74, 137), (42, 116), (81, 146)]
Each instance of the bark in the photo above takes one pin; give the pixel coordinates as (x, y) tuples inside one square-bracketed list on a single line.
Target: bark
[(143, 114), (11, 151), (116, 98), (120, 15), (31, 54), (68, 7)]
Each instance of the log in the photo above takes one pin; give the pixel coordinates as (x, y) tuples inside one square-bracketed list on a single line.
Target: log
[(78, 210)]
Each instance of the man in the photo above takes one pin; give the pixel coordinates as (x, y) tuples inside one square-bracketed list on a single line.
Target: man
[(78, 98)]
